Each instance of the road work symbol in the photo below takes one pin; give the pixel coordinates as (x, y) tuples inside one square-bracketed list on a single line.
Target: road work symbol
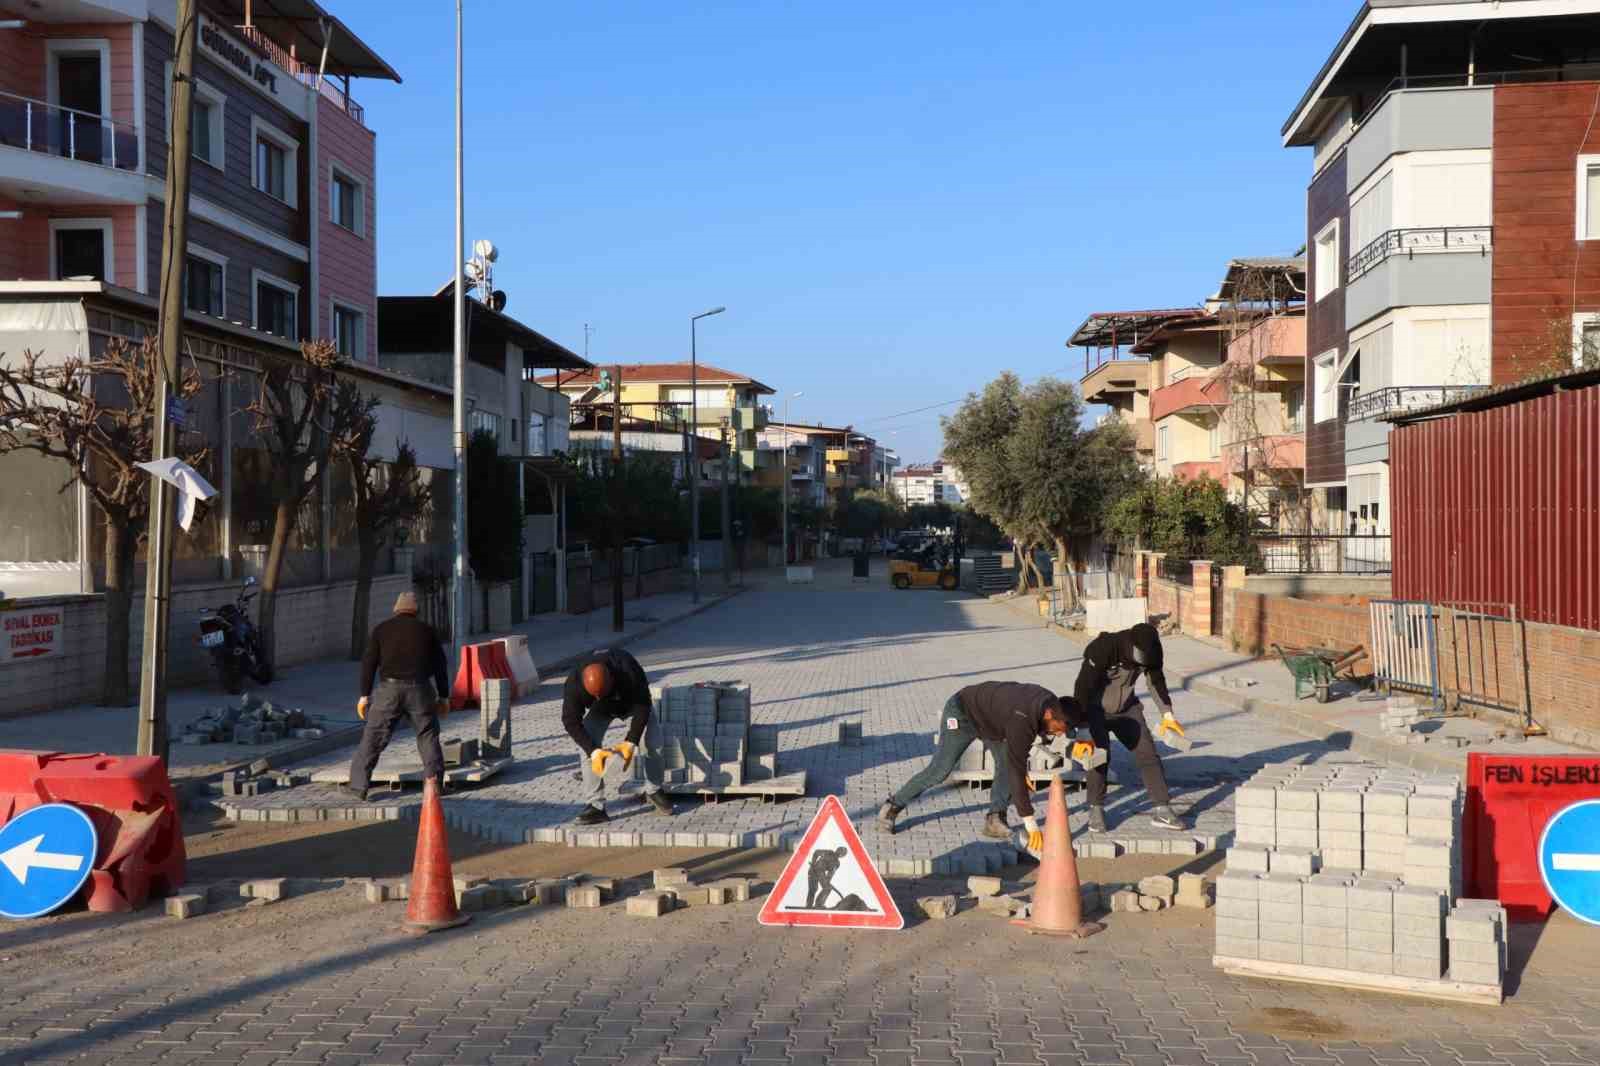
[(1569, 859), (45, 857), (830, 880)]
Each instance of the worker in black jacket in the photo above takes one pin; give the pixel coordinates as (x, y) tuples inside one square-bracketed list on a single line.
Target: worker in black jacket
[(1008, 717), (1105, 703), (607, 685), (406, 659)]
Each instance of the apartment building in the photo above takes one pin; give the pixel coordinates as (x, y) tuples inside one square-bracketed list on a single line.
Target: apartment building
[(1187, 398), (724, 400), (937, 482), (1455, 193), (1122, 382), (805, 450)]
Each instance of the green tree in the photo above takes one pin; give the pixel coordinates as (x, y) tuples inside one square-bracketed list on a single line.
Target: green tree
[(494, 515), (1186, 520), (870, 512), (976, 439)]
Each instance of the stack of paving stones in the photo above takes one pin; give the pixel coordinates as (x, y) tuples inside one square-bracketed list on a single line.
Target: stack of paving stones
[(976, 766), (702, 732), (253, 721), (1352, 868), (1400, 714)]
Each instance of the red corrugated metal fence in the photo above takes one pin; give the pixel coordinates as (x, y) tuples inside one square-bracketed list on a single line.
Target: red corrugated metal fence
[(1502, 506)]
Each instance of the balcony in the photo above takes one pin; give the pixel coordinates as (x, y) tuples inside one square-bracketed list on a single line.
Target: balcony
[(1376, 403), (1419, 268), (1270, 451), (1117, 377), (70, 153), (1421, 115), (1196, 470), (1411, 242), (1194, 392)]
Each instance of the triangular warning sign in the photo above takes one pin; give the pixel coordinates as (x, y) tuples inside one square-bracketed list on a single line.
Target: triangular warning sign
[(830, 880)]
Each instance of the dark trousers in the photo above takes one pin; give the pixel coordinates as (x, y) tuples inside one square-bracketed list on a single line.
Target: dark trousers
[(392, 701), (956, 734), (1128, 726)]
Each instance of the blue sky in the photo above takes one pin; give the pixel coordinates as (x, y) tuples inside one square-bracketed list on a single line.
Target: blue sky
[(895, 201)]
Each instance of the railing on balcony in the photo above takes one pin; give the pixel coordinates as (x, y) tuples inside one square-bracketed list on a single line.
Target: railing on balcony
[(37, 126), (302, 72), (1375, 403), (1191, 371), (1409, 242), (1324, 553)]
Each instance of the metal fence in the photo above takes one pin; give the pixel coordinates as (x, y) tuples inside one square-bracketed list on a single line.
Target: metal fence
[(1179, 570), (1405, 646), (1375, 402), (1408, 242), (1325, 553)]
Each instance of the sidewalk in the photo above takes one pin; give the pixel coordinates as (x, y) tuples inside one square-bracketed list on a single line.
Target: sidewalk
[(1264, 686), (327, 691)]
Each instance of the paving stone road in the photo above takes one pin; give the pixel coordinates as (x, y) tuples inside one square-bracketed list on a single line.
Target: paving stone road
[(817, 656)]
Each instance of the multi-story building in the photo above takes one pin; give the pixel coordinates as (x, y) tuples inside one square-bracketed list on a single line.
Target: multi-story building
[(725, 399), (1122, 383), (937, 482), (1452, 217), (806, 466), (1186, 398)]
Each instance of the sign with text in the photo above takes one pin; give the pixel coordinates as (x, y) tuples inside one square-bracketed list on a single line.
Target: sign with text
[(1511, 800), (31, 633)]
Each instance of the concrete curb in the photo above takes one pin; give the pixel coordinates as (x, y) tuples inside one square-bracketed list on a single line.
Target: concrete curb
[(287, 756)]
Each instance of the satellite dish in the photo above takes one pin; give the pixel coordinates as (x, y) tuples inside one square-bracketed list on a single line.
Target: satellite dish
[(497, 300), (485, 250)]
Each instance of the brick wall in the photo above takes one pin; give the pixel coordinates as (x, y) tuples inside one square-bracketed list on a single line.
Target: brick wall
[(1174, 600), (1258, 622), (313, 623), (1559, 675)]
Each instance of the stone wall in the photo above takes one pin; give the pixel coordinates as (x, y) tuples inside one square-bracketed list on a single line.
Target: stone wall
[(1258, 622)]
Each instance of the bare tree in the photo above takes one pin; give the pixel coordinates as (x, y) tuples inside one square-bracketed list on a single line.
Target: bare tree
[(97, 416), (300, 412)]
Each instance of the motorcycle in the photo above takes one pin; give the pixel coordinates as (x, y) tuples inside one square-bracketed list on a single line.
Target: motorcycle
[(234, 641)]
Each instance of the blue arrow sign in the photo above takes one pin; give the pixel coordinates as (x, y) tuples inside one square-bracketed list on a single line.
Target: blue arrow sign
[(45, 857), (1569, 859)]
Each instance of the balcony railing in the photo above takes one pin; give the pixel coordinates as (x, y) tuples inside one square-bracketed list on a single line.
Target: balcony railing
[(37, 126), (1409, 242), (1364, 406), (1324, 553), (302, 72)]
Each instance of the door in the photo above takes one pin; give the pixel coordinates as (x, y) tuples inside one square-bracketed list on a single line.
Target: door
[(78, 90), (81, 253)]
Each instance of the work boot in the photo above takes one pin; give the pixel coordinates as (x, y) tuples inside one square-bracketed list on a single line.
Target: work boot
[(592, 816), (1164, 817), (1097, 819), (994, 825), (887, 814), (358, 793), (659, 801)]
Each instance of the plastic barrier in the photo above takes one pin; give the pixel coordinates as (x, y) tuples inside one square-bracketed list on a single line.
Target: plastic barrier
[(478, 661), (131, 803), (1510, 799), (524, 674)]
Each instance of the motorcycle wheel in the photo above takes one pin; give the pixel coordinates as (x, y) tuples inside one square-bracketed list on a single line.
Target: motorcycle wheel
[(262, 672)]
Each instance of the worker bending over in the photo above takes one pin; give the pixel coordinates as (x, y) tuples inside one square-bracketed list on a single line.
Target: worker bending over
[(1008, 717), (1105, 703), (607, 685)]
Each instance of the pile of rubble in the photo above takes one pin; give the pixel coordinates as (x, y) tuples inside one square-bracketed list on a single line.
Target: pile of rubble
[(253, 721), (669, 889), (1160, 892)]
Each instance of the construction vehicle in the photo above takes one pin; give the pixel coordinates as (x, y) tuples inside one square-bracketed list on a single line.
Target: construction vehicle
[(934, 562)]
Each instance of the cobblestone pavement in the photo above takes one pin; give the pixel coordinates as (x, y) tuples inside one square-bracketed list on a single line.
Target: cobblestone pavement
[(817, 656), (326, 979)]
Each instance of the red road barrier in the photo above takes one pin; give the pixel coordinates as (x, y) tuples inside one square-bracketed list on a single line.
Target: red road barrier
[(133, 808), (478, 662), (1510, 799)]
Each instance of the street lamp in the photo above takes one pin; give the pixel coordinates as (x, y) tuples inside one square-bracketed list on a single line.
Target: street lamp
[(694, 455), (786, 399)]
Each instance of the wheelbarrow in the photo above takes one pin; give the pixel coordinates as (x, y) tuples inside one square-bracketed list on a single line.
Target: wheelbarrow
[(1314, 669)]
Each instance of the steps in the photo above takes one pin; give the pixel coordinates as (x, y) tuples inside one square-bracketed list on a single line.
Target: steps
[(991, 576)]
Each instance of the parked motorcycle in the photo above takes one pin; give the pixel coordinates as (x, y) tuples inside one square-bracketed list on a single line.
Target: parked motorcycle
[(234, 641)]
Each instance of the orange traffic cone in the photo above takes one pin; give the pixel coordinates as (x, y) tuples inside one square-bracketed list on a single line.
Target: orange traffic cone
[(1057, 895), (433, 886)]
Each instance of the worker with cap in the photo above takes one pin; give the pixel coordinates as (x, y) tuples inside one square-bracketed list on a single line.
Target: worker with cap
[(1112, 664), (1008, 717), (609, 684), (408, 663)]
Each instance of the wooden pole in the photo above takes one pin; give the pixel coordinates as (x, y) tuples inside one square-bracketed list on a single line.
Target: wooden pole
[(616, 499)]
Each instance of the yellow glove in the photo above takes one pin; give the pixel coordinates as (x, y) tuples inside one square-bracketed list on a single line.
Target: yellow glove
[(361, 708), (597, 760), (1082, 749), (625, 750), (1036, 840), (1170, 724)]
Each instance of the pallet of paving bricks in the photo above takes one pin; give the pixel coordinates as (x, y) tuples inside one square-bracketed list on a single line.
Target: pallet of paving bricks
[(1350, 875), (708, 748)]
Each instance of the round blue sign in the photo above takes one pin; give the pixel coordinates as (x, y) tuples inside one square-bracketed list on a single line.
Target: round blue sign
[(1569, 859), (45, 856)]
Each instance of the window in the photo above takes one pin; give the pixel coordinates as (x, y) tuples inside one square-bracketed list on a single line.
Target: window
[(1161, 442), (1586, 340), (1589, 198), (203, 283), (206, 112), (1214, 438), (487, 421), (1294, 402), (80, 248), (1325, 369), (276, 166), (537, 444), (350, 332), (1326, 263), (276, 306), (344, 202)]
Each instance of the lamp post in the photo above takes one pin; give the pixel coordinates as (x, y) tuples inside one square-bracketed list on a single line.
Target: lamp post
[(694, 453), (786, 399), (460, 615)]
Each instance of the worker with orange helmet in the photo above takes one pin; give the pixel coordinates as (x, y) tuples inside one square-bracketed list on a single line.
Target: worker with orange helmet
[(606, 685)]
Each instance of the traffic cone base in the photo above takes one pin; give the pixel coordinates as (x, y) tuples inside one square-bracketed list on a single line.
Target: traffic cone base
[(1057, 901), (433, 885)]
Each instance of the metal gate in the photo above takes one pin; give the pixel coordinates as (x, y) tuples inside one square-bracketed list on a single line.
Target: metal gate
[(1217, 627), (1405, 647), (1486, 658)]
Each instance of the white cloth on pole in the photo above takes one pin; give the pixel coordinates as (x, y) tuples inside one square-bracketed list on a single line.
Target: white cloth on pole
[(191, 487)]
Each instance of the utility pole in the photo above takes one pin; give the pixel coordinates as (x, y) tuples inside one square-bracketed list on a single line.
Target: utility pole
[(616, 499), (727, 517), (461, 616), (153, 738)]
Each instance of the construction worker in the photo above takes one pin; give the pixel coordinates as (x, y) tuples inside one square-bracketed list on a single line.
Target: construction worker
[(819, 876), (405, 656), (1008, 717), (607, 685), (1105, 703)]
